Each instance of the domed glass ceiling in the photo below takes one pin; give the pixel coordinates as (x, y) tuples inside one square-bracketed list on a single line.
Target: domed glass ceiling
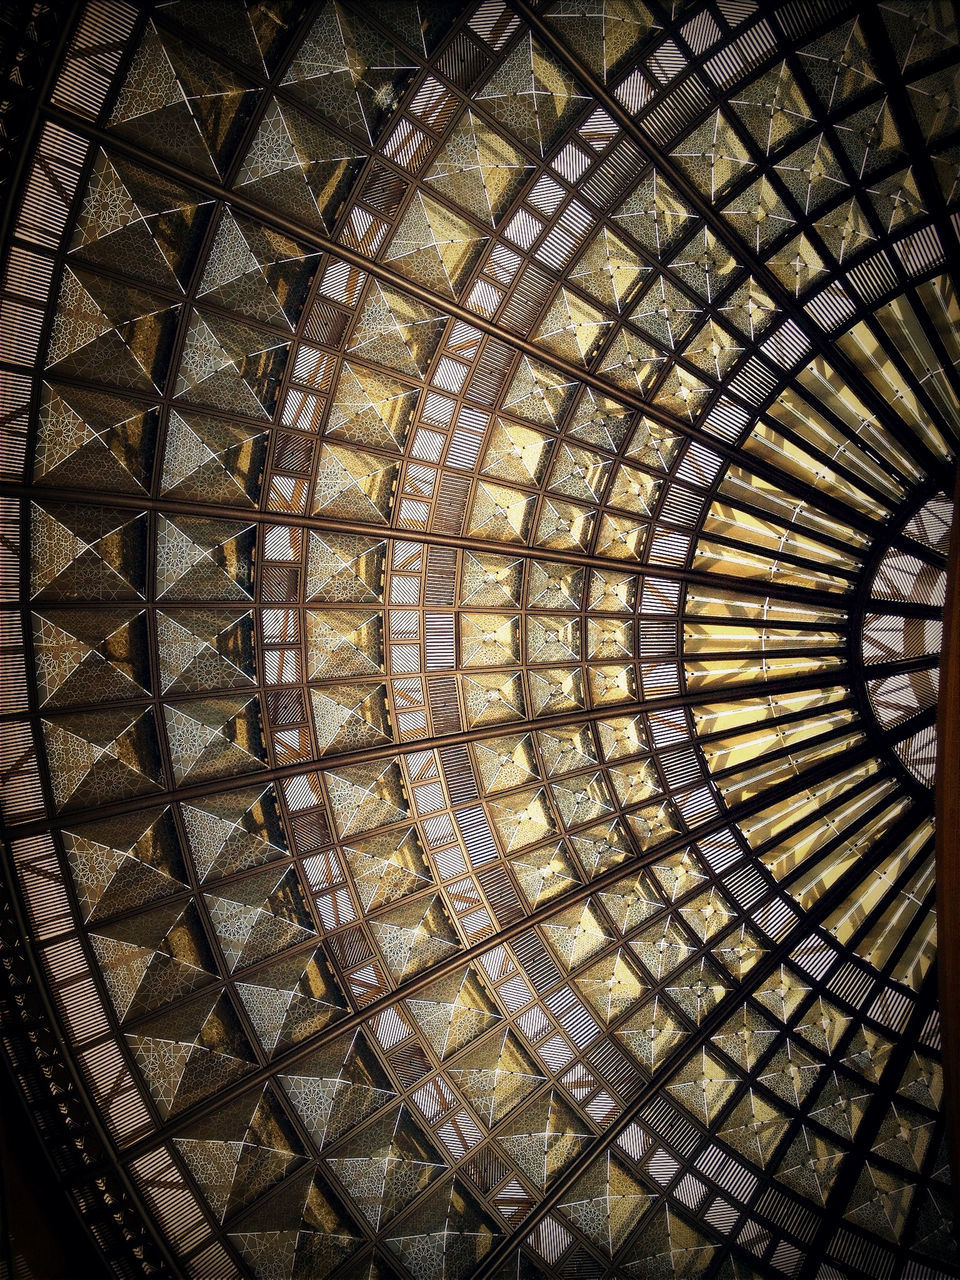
[(477, 485)]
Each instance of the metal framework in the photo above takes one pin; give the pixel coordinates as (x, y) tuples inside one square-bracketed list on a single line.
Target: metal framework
[(476, 488)]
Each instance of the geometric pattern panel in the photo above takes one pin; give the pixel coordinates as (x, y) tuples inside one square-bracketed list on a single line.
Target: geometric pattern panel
[(479, 488)]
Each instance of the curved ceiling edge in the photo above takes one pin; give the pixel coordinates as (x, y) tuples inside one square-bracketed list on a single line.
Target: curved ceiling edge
[(475, 483)]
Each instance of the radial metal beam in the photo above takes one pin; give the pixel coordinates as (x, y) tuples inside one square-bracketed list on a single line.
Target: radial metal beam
[(323, 523), (122, 145), (263, 777), (283, 1061), (725, 233), (801, 929), (380, 271), (720, 777)]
